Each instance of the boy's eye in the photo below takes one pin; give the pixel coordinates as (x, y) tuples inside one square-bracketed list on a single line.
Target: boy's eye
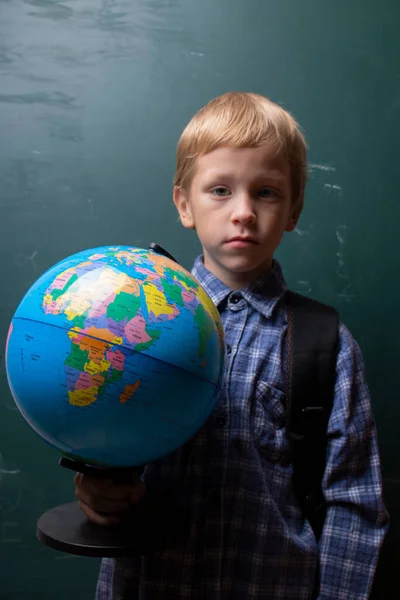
[(220, 191), (266, 192)]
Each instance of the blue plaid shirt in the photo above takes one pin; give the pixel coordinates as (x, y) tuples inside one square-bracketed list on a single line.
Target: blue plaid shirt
[(248, 539)]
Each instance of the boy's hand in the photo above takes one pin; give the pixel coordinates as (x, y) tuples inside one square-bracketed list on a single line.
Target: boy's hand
[(104, 502)]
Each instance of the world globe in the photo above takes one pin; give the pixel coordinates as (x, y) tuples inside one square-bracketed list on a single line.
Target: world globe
[(115, 356)]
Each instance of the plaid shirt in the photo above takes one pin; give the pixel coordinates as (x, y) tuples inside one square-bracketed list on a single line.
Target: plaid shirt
[(248, 539)]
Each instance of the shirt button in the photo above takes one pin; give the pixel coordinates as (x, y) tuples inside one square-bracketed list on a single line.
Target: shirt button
[(235, 298), (221, 421)]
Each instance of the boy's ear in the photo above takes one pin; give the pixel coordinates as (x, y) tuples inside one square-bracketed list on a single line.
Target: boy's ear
[(293, 219), (182, 203)]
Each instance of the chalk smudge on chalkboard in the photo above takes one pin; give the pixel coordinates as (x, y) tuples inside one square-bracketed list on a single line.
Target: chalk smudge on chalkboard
[(22, 259), (7, 532), (305, 287), (334, 188), (340, 236), (345, 294), (302, 232), (316, 167), (4, 471)]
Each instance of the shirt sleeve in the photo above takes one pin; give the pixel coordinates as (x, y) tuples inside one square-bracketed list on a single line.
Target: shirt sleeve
[(356, 520), (104, 589)]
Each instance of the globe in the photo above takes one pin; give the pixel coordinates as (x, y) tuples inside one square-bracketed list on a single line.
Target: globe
[(115, 356)]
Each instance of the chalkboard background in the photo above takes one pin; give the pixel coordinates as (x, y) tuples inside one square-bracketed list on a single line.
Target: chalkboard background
[(93, 96)]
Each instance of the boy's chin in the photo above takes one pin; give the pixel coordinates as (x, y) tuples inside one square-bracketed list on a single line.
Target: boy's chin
[(241, 274), (243, 267)]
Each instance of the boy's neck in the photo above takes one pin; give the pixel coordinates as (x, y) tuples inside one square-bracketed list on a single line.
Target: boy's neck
[(236, 281)]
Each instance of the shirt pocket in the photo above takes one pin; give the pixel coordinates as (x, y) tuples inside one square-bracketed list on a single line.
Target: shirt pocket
[(269, 424)]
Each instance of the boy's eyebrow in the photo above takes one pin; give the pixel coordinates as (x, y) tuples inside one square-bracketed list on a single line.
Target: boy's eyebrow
[(270, 175)]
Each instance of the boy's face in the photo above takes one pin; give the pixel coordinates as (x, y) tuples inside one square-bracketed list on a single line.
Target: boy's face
[(240, 204)]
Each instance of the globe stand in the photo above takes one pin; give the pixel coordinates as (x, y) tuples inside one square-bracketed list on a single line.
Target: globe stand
[(146, 528), (150, 526)]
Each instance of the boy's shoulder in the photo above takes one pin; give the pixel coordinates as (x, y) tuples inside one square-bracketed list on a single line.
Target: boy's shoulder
[(348, 347)]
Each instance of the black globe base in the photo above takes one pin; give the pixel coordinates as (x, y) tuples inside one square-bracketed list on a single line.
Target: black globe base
[(67, 529), (148, 527)]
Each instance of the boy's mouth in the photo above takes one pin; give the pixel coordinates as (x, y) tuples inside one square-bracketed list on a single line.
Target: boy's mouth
[(242, 241)]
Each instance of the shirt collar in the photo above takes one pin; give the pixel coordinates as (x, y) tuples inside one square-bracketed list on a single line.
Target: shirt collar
[(263, 295)]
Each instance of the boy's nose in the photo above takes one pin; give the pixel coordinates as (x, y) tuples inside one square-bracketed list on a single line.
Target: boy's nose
[(244, 211)]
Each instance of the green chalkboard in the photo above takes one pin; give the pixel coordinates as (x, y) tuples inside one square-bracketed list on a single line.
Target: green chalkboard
[(93, 96)]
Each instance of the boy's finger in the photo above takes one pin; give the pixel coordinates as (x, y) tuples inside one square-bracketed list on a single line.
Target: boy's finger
[(102, 504), (97, 518), (104, 488), (98, 493)]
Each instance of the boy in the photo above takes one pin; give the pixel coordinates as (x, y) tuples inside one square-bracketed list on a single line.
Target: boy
[(239, 183)]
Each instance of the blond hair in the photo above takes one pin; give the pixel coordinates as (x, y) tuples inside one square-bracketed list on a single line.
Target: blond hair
[(240, 120)]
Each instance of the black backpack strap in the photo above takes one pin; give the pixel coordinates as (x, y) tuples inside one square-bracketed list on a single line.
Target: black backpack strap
[(311, 355)]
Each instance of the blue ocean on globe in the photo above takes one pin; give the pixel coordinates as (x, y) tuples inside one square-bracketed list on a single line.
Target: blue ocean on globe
[(115, 356)]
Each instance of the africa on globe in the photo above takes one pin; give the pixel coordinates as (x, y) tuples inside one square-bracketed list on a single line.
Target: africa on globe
[(115, 356)]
